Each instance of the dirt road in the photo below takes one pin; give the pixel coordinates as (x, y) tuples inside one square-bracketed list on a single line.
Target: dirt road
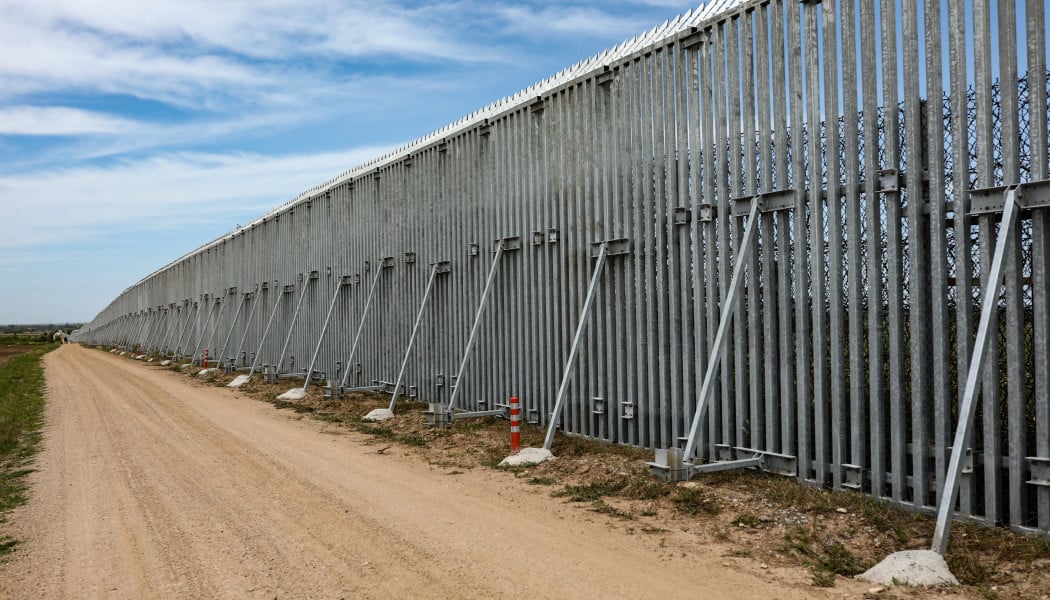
[(152, 486)]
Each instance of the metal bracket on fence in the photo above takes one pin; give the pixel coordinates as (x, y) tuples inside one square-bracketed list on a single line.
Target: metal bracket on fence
[(508, 244), (772, 201), (1035, 194), (888, 181), (440, 267), (681, 215), (968, 406), (1039, 471), (854, 477), (384, 263), (599, 251)]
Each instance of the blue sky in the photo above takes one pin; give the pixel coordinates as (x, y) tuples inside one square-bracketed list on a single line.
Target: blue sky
[(132, 132)]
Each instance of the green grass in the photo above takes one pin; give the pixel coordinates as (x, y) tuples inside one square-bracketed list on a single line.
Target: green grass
[(21, 416)]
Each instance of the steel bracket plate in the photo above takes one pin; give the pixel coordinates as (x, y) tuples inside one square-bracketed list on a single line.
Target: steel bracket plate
[(723, 452), (888, 181), (707, 213), (627, 410), (313, 275), (288, 289), (612, 247), (437, 416), (681, 215), (510, 244), (598, 407), (669, 465), (442, 266), (347, 280), (538, 238), (605, 77), (439, 380), (854, 477), (693, 39), (1030, 195), (552, 236), (473, 249), (767, 202), (1039, 470), (386, 262), (537, 105), (410, 257)]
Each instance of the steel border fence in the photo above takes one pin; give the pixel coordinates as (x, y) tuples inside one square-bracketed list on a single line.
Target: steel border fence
[(859, 298)]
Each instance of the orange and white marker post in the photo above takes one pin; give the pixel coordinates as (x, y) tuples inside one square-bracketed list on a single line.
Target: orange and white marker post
[(205, 358), (515, 425)]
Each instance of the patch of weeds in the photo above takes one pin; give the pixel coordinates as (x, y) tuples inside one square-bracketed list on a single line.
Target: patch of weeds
[(454, 473), (740, 554), (376, 430), (331, 418), (648, 512), (591, 491), (299, 408), (412, 439), (829, 556), (601, 507), (693, 501), (654, 530), (746, 520), (21, 416), (822, 578), (645, 487), (542, 481)]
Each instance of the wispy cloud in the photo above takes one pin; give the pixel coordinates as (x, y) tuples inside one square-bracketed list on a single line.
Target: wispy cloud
[(160, 193), (60, 120)]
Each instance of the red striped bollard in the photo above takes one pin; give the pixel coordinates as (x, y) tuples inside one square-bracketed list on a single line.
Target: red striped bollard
[(515, 425), (205, 358)]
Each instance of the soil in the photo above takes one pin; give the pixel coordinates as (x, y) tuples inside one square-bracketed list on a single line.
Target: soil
[(153, 483)]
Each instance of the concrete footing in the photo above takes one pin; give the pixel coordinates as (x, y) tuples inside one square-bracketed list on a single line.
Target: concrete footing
[(527, 456), (379, 414), (293, 394), (238, 381), (911, 567), (165, 363)]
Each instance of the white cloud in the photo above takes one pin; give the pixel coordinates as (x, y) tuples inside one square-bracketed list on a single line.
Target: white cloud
[(560, 19), (160, 193), (60, 120)]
